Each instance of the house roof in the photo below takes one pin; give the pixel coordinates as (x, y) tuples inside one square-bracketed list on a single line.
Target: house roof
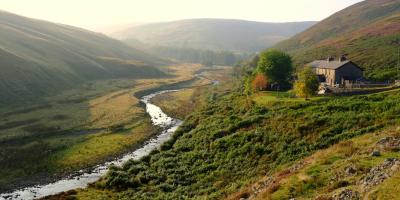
[(328, 65)]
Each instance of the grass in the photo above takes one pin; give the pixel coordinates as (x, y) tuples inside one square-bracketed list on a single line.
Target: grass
[(270, 97), (183, 102), (40, 58), (77, 128), (229, 144), (177, 104), (388, 189), (324, 171), (94, 147)]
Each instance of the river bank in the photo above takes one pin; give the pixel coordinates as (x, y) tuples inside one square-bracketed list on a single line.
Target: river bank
[(83, 177), (84, 174), (40, 144)]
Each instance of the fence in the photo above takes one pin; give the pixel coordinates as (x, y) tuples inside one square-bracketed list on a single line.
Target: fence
[(356, 91), (358, 84)]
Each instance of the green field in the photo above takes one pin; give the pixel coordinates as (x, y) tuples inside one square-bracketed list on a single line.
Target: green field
[(77, 128), (232, 143)]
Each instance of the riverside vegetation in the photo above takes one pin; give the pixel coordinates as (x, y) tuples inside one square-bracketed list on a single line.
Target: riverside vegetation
[(231, 143), (240, 136), (181, 103), (234, 143), (77, 128)]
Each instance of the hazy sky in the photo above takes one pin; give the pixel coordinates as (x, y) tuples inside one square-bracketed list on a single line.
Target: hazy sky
[(94, 14)]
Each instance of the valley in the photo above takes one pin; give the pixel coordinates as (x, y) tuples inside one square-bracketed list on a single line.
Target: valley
[(192, 107), (209, 41), (72, 131), (40, 58), (229, 145)]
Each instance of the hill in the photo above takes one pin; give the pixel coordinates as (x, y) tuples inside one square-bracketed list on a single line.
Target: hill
[(369, 32), (236, 140), (213, 34), (40, 58)]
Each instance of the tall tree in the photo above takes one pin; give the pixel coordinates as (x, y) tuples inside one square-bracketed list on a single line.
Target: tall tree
[(276, 65), (307, 83)]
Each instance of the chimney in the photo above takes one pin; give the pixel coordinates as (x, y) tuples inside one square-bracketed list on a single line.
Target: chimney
[(343, 58), (330, 58)]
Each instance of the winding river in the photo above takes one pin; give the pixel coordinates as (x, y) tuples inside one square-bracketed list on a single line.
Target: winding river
[(158, 118)]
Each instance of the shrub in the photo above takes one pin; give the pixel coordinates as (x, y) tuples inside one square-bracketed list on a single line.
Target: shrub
[(226, 143), (260, 82), (307, 83)]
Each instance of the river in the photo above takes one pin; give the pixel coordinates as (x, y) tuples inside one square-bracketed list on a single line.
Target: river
[(158, 118)]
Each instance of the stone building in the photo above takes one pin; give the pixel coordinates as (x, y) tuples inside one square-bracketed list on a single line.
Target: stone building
[(337, 72)]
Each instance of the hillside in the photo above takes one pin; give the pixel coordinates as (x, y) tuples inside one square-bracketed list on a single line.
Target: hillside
[(229, 144), (40, 58), (344, 171), (213, 34), (369, 32)]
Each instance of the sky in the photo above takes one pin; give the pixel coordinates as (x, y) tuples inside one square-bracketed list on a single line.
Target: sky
[(100, 14)]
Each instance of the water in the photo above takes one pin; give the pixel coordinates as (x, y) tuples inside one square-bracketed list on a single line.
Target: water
[(158, 118)]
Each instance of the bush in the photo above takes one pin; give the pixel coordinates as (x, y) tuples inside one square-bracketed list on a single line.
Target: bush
[(307, 83), (227, 142), (260, 83)]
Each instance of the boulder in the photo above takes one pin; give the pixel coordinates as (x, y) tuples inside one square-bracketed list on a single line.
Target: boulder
[(376, 153), (346, 194), (380, 172), (350, 170), (389, 143)]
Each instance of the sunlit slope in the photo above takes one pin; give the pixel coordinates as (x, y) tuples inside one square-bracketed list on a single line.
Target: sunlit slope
[(369, 32)]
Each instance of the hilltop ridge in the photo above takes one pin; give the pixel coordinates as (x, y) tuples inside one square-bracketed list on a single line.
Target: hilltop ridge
[(213, 34), (368, 32)]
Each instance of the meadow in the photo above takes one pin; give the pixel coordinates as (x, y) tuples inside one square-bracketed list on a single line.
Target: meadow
[(77, 128), (340, 167), (181, 103), (234, 141)]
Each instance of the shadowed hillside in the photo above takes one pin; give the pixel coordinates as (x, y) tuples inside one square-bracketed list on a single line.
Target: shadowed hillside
[(369, 32), (39, 58)]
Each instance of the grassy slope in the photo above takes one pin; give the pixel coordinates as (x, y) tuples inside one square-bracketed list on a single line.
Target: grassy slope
[(39, 58), (230, 144), (214, 34), (369, 32), (323, 174), (184, 102), (71, 130), (177, 104)]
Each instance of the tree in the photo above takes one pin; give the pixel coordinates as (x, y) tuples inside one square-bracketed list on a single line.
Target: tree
[(276, 65), (260, 82), (307, 83)]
